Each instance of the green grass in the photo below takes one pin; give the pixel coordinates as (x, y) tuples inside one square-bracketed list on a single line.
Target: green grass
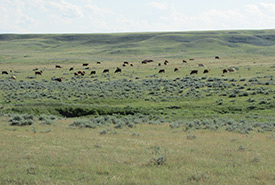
[(57, 153), (210, 128)]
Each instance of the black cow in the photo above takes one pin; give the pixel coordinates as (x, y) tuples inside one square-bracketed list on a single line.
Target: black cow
[(106, 71), (85, 64), (71, 69), (5, 73), (93, 72), (162, 71), (118, 70), (58, 66), (224, 70), (38, 72), (194, 72)]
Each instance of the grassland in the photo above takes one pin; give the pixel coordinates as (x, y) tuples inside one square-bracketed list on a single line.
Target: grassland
[(138, 126)]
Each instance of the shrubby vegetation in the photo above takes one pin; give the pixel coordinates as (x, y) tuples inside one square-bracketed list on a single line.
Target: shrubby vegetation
[(21, 120)]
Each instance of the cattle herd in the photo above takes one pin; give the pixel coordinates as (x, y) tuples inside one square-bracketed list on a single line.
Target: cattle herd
[(119, 70)]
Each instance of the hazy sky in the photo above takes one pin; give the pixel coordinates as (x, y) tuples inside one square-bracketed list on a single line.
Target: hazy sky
[(108, 16)]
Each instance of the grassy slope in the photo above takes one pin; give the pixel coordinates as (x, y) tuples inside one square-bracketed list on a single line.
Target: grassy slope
[(95, 46)]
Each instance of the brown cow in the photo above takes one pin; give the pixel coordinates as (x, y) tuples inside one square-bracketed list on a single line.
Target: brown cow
[(85, 64), (106, 71), (176, 69), (58, 66), (13, 77), (5, 73), (206, 71), (93, 72), (162, 71), (71, 69), (224, 70), (38, 72), (76, 74), (118, 70), (59, 79), (166, 62), (194, 72)]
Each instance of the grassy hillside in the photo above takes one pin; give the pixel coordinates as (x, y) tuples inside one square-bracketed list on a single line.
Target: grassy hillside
[(86, 47)]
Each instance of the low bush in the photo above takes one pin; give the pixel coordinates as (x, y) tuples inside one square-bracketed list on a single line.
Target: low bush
[(21, 120)]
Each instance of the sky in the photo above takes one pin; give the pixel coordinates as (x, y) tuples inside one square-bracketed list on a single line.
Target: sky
[(116, 16)]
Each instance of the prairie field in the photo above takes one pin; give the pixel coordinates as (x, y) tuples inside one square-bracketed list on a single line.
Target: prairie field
[(138, 126)]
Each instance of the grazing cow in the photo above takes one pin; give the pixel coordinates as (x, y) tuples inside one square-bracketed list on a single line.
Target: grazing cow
[(126, 62), (131, 65), (76, 74), (5, 73), (191, 59), (58, 66), (59, 79), (176, 69), (106, 71), (35, 69), (118, 70), (200, 65), (206, 71), (85, 64), (38, 72), (162, 71), (231, 69), (194, 72), (81, 72), (71, 69), (87, 67), (217, 57), (166, 62), (124, 65), (93, 72), (13, 77), (144, 62), (98, 62), (184, 61), (224, 70)]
